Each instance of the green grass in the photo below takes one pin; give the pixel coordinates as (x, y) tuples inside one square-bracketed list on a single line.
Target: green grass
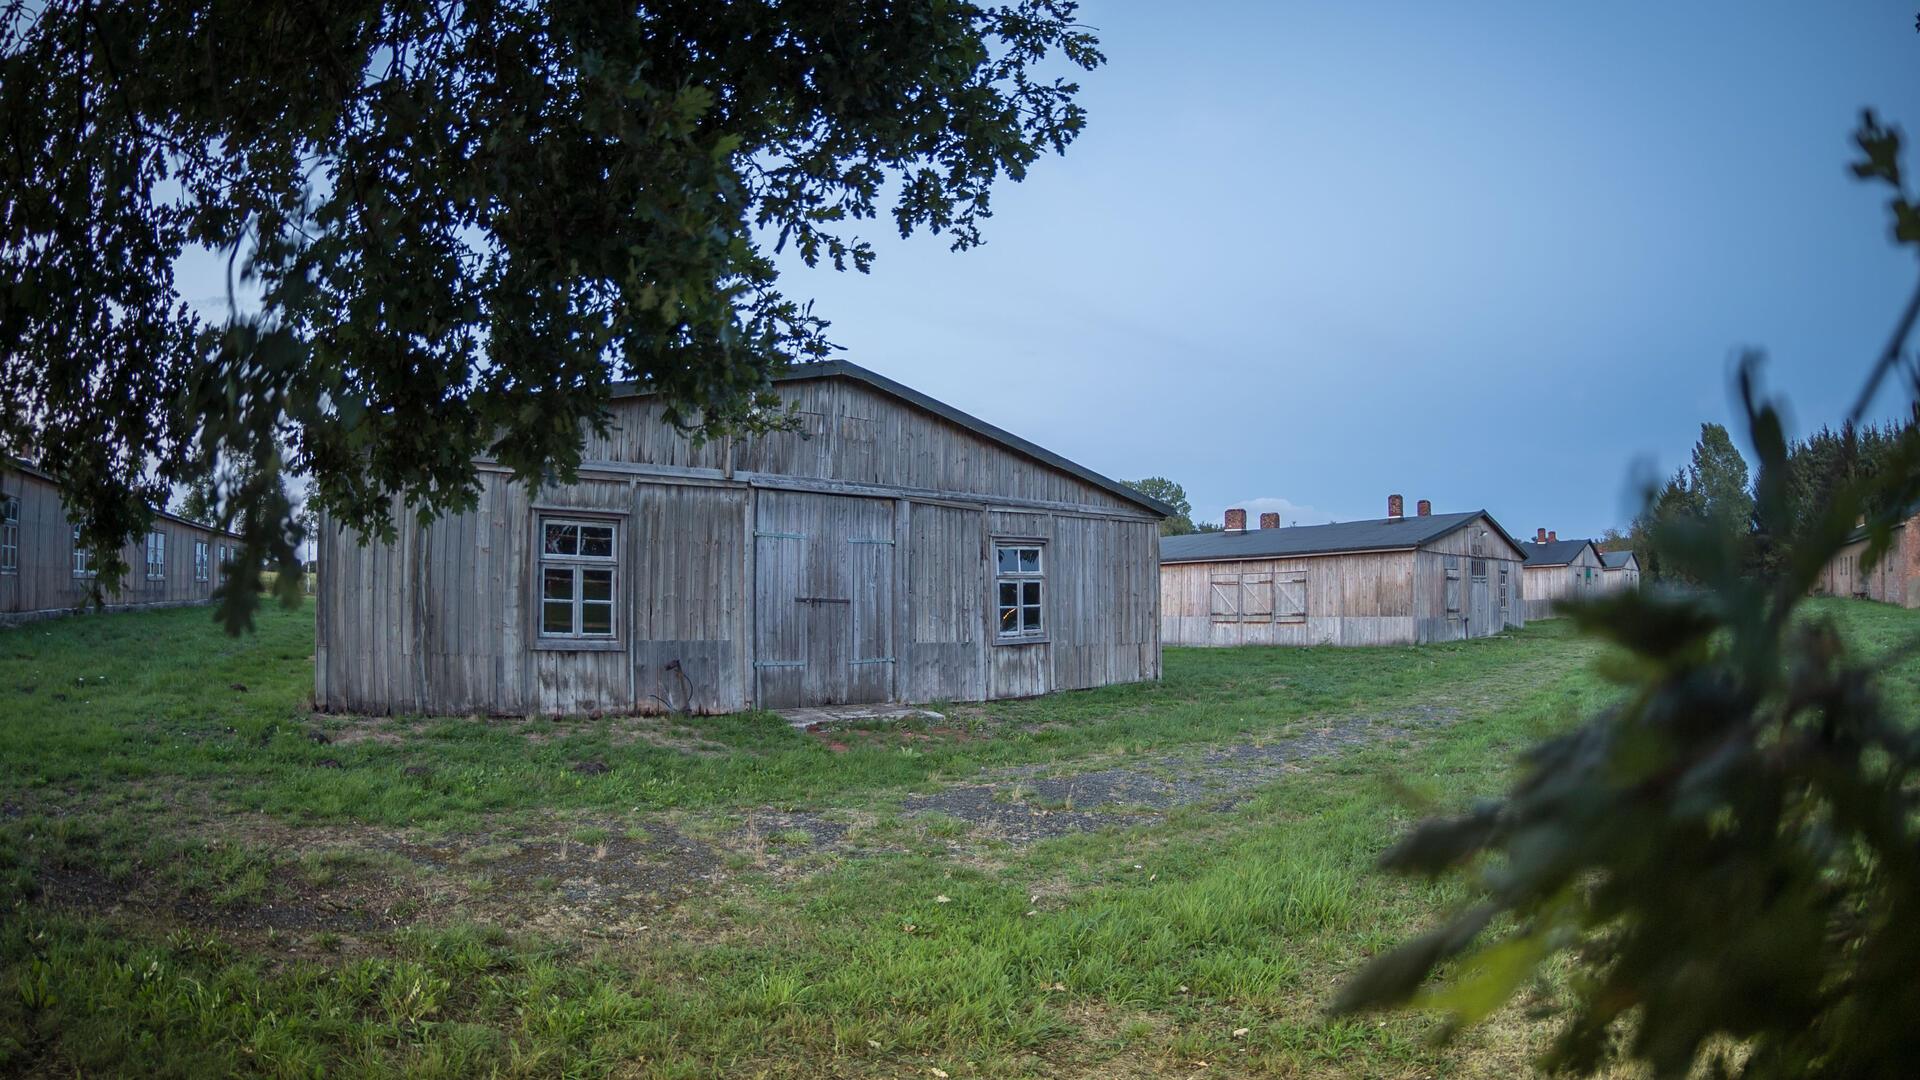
[(1139, 949)]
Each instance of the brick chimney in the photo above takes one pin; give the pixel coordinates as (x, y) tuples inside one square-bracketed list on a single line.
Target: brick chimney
[(1540, 536), (1270, 521), (1396, 507), (1424, 507), (1552, 537), (1236, 520)]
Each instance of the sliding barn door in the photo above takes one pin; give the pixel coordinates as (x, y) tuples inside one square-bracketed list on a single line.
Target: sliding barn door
[(823, 599)]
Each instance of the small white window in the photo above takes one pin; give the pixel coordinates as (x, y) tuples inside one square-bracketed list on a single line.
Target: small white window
[(202, 561), (156, 556), (9, 534), (578, 575), (1020, 591), (82, 556)]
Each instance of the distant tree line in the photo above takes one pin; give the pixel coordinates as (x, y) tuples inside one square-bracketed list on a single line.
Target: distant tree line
[(1714, 486)]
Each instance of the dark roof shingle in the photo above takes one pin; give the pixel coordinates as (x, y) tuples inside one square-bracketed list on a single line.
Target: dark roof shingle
[(1553, 552), (1377, 534), (1615, 560)]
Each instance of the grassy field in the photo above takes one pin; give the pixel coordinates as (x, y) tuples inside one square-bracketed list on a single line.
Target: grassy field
[(198, 877)]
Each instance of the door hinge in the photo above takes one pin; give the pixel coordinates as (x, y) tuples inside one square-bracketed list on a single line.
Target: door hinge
[(779, 663)]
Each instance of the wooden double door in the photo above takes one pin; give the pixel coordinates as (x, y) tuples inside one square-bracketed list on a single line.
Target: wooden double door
[(823, 592)]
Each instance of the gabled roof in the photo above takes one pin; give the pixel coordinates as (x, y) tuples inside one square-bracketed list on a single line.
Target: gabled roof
[(1619, 560), (38, 473), (1377, 534), (825, 369), (1556, 552)]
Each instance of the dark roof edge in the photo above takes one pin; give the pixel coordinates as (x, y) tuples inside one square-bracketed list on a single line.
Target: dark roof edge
[(1468, 518), (1576, 554), (8, 462), (823, 369), (1164, 561)]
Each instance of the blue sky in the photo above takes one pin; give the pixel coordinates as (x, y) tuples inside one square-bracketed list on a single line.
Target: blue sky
[(1492, 255)]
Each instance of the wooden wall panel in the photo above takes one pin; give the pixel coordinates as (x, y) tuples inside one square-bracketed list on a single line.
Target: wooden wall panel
[(443, 620), (43, 581), (1359, 598), (853, 433), (946, 597)]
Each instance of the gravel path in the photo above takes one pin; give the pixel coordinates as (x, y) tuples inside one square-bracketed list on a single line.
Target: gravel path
[(1036, 802)]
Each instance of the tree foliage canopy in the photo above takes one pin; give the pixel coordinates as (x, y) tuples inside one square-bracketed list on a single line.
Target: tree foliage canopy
[(464, 222), (1174, 495), (1731, 855)]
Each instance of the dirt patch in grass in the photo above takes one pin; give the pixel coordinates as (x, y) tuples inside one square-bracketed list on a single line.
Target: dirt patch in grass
[(363, 730), (1037, 802), (289, 901), (608, 874)]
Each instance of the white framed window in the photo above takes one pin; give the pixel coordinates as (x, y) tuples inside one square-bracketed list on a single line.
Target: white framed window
[(202, 561), (1019, 590), (82, 556), (9, 534), (578, 579), (156, 556)]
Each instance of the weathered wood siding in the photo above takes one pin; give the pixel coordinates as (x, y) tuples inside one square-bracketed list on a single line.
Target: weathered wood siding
[(43, 582), (834, 583), (1351, 598), (1363, 598), (1895, 579), (1620, 579), (1548, 584), (852, 434), (1481, 604)]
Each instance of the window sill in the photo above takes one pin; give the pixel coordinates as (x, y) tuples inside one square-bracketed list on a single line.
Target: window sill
[(1040, 640), (547, 644)]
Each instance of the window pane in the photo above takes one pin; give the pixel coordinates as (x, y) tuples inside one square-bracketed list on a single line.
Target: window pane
[(556, 617), (562, 539), (1008, 558), (1030, 560), (1030, 592), (1009, 593), (1032, 618), (558, 584), (596, 585), (596, 540), (596, 618), (1009, 620)]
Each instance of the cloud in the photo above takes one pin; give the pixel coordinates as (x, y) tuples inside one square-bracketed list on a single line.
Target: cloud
[(1291, 513)]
